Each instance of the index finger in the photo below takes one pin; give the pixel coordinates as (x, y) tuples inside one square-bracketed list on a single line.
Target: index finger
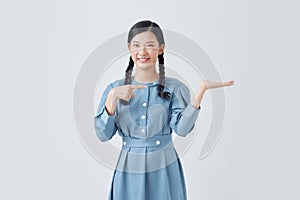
[(137, 86)]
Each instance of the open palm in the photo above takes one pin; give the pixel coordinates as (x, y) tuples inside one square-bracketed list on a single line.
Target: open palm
[(206, 84)]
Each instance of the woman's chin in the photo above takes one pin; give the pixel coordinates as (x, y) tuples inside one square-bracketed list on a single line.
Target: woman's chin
[(145, 65)]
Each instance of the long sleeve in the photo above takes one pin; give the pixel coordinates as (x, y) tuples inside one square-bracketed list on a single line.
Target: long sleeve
[(183, 113), (105, 125)]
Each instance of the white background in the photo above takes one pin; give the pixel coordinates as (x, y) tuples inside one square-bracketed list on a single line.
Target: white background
[(43, 45)]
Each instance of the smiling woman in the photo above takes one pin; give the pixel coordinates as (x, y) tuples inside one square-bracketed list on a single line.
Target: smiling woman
[(146, 109)]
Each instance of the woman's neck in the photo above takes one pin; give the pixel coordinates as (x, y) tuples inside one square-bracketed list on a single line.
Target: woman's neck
[(144, 76)]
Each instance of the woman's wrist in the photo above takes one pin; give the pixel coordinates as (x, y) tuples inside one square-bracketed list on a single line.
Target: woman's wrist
[(111, 102), (111, 95), (198, 97)]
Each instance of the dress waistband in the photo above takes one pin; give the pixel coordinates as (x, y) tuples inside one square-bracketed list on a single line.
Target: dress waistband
[(155, 141)]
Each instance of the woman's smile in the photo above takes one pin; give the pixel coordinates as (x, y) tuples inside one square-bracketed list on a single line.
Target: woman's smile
[(143, 60)]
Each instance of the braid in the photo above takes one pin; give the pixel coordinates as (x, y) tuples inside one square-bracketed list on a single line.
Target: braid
[(128, 72), (127, 80), (160, 88)]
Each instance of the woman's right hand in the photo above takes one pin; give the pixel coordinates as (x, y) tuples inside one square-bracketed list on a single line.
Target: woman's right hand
[(124, 92)]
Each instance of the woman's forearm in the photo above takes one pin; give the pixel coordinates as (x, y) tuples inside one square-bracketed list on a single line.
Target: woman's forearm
[(111, 103), (197, 98)]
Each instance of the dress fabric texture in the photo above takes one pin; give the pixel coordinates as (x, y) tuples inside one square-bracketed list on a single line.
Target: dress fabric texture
[(148, 166)]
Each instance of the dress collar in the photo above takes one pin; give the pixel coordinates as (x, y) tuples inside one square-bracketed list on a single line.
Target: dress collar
[(149, 84)]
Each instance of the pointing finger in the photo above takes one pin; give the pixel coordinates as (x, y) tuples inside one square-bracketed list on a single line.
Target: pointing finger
[(137, 86)]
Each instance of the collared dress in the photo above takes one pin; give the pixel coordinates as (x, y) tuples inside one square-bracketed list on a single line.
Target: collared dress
[(148, 166)]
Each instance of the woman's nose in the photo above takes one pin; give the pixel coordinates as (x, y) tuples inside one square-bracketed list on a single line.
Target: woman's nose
[(142, 50)]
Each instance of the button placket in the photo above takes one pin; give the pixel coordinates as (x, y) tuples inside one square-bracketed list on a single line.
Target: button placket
[(143, 117), (143, 111)]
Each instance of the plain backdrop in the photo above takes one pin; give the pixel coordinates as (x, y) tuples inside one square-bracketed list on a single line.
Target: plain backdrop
[(43, 45)]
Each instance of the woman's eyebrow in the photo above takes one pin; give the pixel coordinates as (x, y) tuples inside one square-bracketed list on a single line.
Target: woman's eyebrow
[(146, 42)]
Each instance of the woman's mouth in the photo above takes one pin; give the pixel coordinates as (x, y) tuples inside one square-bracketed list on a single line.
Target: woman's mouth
[(143, 59)]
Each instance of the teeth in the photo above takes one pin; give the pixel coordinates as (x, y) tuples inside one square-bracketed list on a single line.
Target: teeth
[(143, 59)]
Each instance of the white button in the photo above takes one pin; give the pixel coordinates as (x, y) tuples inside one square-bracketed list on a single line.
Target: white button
[(145, 104), (157, 142), (124, 143), (143, 130), (154, 82), (143, 116)]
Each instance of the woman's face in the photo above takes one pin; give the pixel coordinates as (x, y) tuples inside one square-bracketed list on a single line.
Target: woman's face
[(144, 49)]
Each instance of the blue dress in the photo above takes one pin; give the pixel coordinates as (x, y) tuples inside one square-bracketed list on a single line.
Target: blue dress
[(148, 166)]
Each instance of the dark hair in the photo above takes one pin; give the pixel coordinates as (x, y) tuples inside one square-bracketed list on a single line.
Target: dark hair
[(141, 27)]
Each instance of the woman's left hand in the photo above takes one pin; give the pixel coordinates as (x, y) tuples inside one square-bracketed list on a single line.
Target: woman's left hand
[(205, 85)]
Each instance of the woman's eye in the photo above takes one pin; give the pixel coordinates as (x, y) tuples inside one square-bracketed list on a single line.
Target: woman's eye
[(135, 45)]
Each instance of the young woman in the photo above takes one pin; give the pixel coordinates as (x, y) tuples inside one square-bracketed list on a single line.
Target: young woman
[(146, 108)]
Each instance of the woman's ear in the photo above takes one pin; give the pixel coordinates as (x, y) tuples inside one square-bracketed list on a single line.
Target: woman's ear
[(161, 49), (128, 46)]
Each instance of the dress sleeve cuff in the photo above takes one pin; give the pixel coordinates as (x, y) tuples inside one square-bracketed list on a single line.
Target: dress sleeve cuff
[(190, 109), (105, 116), (192, 112)]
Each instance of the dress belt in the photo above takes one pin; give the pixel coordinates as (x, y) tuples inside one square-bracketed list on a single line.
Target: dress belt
[(154, 141)]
